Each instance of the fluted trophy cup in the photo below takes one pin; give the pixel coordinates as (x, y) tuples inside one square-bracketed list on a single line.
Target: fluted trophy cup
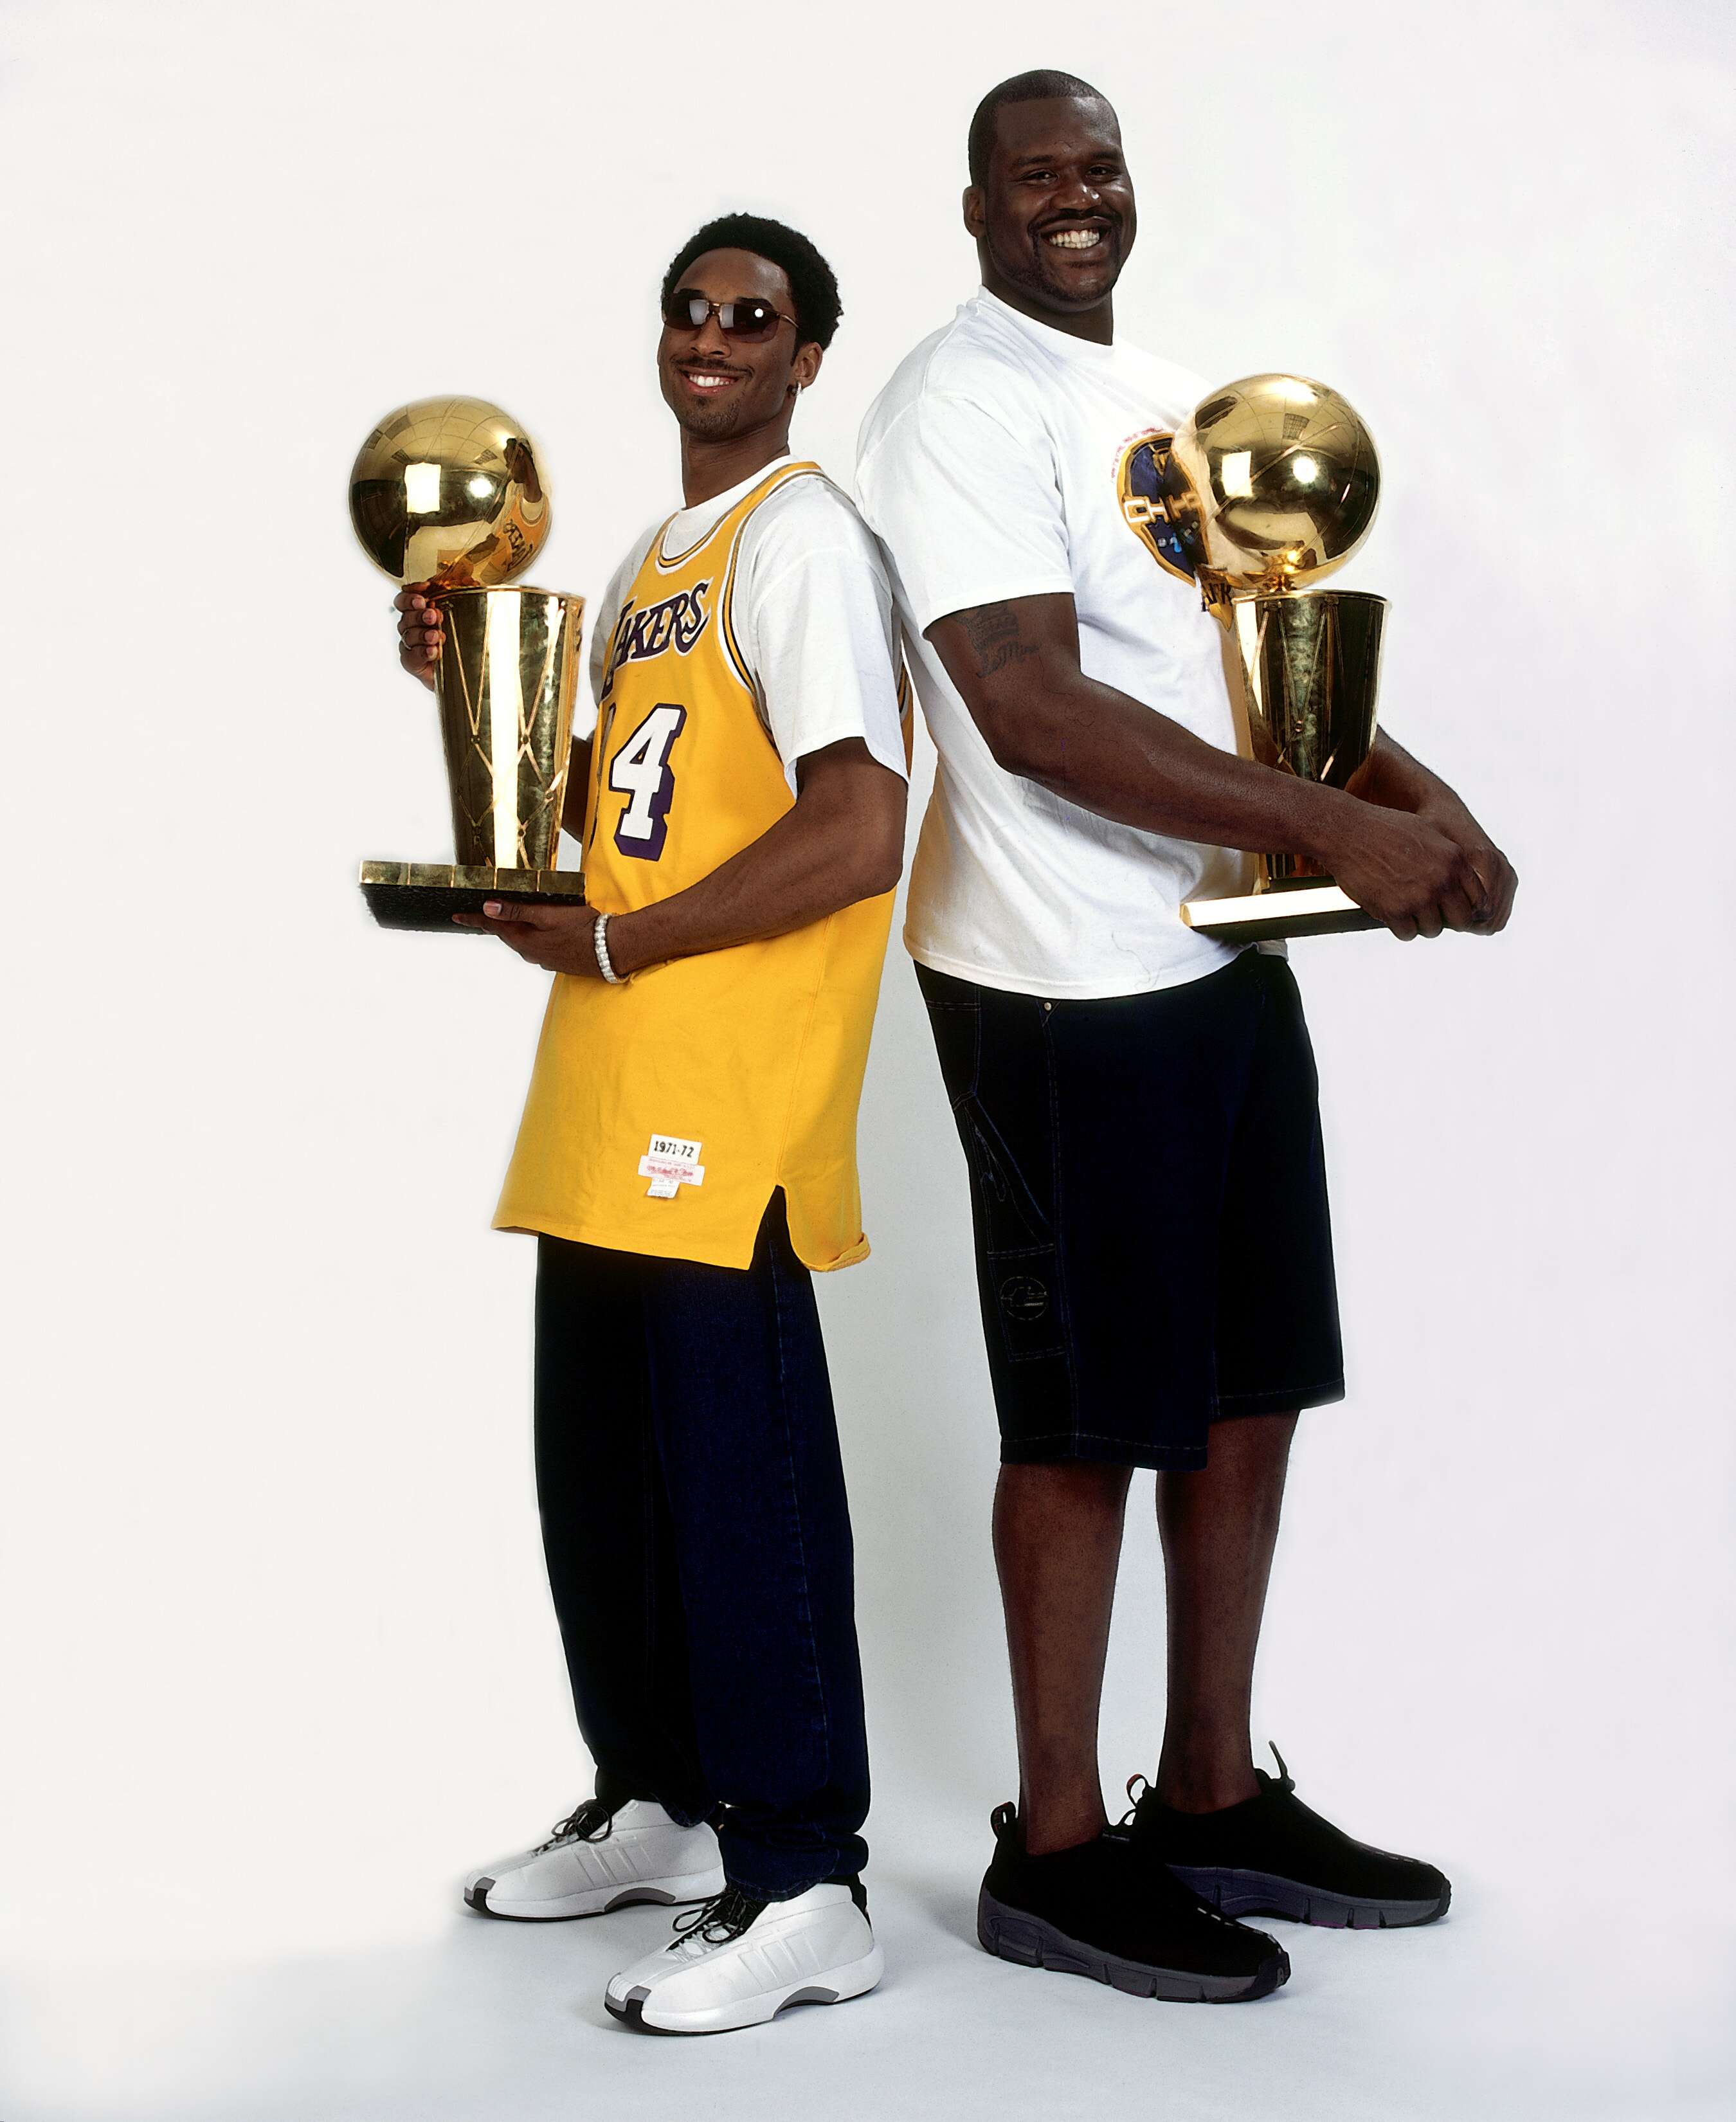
[(1269, 485), (450, 491)]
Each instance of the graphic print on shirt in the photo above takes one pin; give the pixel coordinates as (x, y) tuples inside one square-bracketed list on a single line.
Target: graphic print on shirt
[(649, 630), (641, 770), (1160, 504)]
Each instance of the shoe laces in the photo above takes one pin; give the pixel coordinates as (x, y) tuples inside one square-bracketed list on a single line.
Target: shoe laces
[(592, 1821), (715, 1922), (1134, 1797)]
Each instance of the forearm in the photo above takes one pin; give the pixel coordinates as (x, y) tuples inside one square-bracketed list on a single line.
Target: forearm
[(1016, 666), (1109, 753), (812, 862)]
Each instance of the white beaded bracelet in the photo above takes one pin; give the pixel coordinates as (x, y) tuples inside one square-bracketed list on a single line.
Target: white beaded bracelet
[(600, 942)]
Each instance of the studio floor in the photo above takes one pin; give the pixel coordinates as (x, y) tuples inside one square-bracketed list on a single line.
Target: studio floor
[(1575, 1999)]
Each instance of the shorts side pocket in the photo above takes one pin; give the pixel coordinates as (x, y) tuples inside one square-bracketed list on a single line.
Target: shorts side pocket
[(1022, 1285)]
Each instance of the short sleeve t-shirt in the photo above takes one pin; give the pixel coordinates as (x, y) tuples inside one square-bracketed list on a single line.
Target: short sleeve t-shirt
[(989, 468), (811, 608)]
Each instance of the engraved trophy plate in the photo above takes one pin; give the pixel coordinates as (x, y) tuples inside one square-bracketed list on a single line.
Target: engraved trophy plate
[(449, 490), (1268, 486)]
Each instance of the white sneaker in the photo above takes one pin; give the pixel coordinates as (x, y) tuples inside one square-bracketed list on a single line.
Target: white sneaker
[(740, 1961), (597, 1860)]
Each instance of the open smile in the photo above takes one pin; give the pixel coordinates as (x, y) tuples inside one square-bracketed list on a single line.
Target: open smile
[(1077, 236), (707, 382)]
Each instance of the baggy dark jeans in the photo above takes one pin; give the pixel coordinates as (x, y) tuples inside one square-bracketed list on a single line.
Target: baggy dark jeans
[(697, 1539)]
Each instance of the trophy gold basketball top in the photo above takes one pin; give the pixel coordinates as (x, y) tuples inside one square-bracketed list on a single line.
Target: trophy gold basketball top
[(450, 490), (1269, 485)]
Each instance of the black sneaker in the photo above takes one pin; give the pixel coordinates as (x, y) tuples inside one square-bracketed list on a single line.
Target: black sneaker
[(1270, 1855), (1106, 1910)]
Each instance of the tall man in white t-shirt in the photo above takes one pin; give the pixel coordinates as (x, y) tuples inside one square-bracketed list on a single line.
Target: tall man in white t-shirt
[(1137, 1102)]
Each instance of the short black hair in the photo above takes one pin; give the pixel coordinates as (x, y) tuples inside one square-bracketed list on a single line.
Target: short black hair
[(1039, 86), (812, 282)]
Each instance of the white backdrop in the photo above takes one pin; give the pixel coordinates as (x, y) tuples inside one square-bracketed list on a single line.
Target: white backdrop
[(277, 1656)]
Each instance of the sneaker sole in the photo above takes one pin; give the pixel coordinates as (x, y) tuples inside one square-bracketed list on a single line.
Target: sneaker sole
[(1028, 1942), (838, 1985), (483, 1896), (1234, 1893)]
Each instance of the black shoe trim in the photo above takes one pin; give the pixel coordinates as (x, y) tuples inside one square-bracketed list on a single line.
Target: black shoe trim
[(1239, 1893), (632, 2014), (1029, 1942)]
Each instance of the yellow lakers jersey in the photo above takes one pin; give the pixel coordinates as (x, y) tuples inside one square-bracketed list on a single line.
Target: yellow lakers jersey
[(662, 1115)]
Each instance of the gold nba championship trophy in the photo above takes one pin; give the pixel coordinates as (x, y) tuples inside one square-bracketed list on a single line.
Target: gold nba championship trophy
[(449, 490), (1268, 486)]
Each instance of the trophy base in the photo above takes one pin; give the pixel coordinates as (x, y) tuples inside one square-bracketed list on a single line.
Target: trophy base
[(403, 894), (1285, 909)]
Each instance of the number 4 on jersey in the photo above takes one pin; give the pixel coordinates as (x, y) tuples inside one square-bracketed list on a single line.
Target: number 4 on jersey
[(641, 770)]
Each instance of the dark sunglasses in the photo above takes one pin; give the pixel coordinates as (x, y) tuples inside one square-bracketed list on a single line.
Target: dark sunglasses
[(745, 319)]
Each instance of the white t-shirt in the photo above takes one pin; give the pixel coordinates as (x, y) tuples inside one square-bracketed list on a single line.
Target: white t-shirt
[(811, 608), (988, 468)]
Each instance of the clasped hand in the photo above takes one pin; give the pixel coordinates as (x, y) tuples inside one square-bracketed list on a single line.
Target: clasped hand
[(1415, 858)]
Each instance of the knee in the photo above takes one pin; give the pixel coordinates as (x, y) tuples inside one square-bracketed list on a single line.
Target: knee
[(1067, 1485)]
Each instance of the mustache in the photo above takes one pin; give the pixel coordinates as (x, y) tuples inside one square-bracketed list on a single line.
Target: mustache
[(1098, 217)]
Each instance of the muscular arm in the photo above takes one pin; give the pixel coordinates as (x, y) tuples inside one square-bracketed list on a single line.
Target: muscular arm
[(842, 840), (1016, 667)]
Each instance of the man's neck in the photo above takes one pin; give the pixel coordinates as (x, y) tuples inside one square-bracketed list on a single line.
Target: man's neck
[(709, 468), (1097, 323)]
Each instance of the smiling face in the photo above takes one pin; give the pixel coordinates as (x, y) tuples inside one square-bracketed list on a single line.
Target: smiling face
[(1054, 219), (721, 389)]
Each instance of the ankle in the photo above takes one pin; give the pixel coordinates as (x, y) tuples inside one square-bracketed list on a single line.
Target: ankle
[(1050, 1828), (1205, 1786)]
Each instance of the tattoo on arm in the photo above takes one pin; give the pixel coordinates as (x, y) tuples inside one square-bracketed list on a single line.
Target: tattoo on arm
[(992, 631)]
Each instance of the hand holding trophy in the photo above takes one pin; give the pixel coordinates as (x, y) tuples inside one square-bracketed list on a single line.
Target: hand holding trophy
[(450, 491), (1267, 487)]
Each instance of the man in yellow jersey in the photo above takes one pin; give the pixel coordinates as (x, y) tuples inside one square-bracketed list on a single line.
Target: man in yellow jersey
[(688, 1153)]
